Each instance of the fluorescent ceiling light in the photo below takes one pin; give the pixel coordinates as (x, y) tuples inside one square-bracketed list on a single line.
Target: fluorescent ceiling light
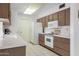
[(31, 9)]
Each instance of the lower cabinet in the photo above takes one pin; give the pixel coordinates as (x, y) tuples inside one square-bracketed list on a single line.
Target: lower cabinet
[(17, 51), (62, 46), (60, 51), (41, 39), (4, 52)]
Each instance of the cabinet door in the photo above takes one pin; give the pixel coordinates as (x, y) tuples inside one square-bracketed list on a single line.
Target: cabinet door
[(61, 52), (5, 8), (4, 52), (55, 16), (42, 20), (62, 45), (68, 16), (41, 40), (62, 18), (18, 51), (5, 11), (51, 17), (39, 20), (46, 21), (1, 16)]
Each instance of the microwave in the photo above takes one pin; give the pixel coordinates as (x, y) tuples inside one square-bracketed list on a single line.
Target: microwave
[(53, 24)]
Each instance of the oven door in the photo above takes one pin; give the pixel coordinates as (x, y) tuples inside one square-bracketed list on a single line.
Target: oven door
[(49, 41)]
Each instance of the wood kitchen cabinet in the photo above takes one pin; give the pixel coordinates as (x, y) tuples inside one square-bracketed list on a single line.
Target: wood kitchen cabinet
[(55, 16), (4, 52), (16, 51), (41, 39), (39, 20), (5, 10), (62, 46), (62, 18), (44, 21), (50, 17), (68, 16)]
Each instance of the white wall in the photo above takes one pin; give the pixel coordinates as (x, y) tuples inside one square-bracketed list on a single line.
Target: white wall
[(25, 29), (48, 9), (21, 24), (74, 30)]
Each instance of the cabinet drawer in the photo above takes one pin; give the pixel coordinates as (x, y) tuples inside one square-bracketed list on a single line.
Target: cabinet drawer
[(61, 51), (60, 39), (63, 46), (4, 52)]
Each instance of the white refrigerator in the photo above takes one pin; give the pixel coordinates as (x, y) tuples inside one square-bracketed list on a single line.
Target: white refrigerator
[(36, 29)]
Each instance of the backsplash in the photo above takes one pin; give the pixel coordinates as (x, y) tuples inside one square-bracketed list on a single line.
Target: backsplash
[(61, 30), (65, 30)]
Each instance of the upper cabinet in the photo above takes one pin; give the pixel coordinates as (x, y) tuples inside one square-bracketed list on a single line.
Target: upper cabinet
[(68, 16), (50, 17), (55, 16), (44, 21), (38, 20), (62, 18), (5, 11)]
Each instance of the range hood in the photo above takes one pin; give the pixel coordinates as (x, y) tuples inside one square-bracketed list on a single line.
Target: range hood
[(4, 20)]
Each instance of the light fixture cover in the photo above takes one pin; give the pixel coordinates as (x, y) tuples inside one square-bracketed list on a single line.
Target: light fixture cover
[(32, 8)]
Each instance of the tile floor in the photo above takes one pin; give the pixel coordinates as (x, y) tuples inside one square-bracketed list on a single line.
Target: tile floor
[(37, 50)]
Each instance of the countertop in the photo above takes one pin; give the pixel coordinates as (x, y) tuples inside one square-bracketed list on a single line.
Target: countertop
[(11, 41), (63, 36)]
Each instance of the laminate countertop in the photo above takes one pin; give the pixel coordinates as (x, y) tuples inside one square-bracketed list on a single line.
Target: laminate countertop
[(11, 41), (63, 36)]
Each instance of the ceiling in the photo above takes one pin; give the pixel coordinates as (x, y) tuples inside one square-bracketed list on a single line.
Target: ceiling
[(21, 7)]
